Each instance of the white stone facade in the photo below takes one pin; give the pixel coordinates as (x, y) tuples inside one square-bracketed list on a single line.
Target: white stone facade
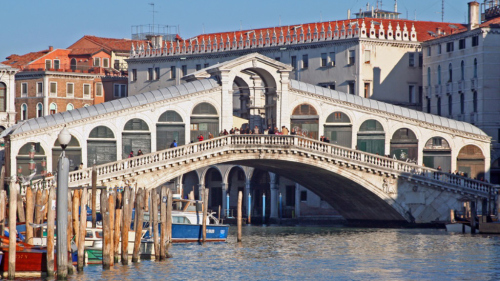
[(8, 89)]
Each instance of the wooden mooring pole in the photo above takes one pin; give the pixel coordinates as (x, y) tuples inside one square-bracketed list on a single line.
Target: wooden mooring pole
[(139, 214), (163, 218), (38, 212), (205, 212), (117, 229), (169, 223), (70, 233), (3, 214), (12, 229), (82, 229), (75, 219), (51, 219), (154, 210), (106, 231), (238, 220), (111, 211), (94, 196)]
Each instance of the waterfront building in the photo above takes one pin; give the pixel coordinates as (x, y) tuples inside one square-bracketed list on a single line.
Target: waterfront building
[(460, 76), (7, 96)]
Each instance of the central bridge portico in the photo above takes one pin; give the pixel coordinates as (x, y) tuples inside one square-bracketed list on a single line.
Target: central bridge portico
[(349, 174)]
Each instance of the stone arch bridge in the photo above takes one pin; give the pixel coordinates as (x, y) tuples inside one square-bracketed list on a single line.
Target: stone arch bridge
[(360, 185)]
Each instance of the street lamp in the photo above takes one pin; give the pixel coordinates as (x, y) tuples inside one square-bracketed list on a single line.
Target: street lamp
[(64, 138)]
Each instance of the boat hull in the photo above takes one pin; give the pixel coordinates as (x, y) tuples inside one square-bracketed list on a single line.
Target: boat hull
[(458, 227), (182, 233)]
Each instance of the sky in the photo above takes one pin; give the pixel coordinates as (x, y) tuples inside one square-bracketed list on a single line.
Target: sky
[(33, 25)]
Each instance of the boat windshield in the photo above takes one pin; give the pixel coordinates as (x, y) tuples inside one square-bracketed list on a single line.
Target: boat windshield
[(180, 220)]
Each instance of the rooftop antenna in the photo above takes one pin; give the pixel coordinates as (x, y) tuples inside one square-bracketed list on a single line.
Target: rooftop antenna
[(442, 11), (279, 21), (153, 4)]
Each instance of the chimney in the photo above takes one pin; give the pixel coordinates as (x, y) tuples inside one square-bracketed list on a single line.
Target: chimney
[(395, 6), (51, 48), (349, 14), (439, 30), (473, 15)]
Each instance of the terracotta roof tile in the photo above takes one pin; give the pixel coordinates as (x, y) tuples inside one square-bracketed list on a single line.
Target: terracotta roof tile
[(90, 44), (19, 61)]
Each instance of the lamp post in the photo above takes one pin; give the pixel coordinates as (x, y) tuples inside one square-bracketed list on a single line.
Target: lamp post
[(64, 138)]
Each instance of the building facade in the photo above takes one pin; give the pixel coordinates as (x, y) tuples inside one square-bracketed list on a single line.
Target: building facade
[(7, 96), (460, 76)]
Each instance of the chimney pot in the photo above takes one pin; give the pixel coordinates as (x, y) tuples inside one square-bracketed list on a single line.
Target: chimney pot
[(51, 48), (473, 15)]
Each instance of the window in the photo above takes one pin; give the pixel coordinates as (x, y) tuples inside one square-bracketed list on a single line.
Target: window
[(352, 58), (412, 59), (303, 195), (462, 71), (437, 142), (206, 65), (194, 127), (150, 74), (290, 195), (462, 103), (98, 89), (198, 67), (475, 41), (120, 90), (411, 93), (24, 111), (277, 58), (184, 70), (69, 107), (449, 47), (86, 91), (97, 62), (420, 60), (157, 73), (39, 110), (428, 76), (70, 89), (439, 106), (439, 75), (428, 105), (53, 108), (57, 64), (134, 75), (450, 105), (474, 101), (24, 89), (116, 65), (461, 44), (294, 62), (439, 49), (350, 87), (172, 72), (3, 97), (367, 56), (305, 61), (450, 73), (105, 62), (429, 51), (332, 58), (475, 68), (48, 64), (39, 89), (72, 64), (324, 59), (53, 89)]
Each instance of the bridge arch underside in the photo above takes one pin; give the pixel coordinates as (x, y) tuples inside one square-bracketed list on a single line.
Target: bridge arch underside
[(355, 197)]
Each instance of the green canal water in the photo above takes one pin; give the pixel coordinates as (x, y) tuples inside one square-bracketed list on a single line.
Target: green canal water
[(322, 253)]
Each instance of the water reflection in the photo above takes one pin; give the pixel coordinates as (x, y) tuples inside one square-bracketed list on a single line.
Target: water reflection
[(324, 253)]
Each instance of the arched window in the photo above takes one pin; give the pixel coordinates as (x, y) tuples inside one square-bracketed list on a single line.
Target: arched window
[(69, 107), (24, 111), (204, 108), (338, 129), (439, 75), (305, 121), (428, 76), (439, 106), (450, 105), (475, 68), (170, 127), (450, 73), (462, 71), (39, 110), (3, 97), (73, 64), (135, 137), (101, 146), (204, 120), (474, 101), (53, 108), (462, 103), (371, 137)]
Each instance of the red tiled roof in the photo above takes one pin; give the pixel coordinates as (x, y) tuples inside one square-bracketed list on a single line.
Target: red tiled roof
[(426, 30), (19, 61), (90, 44)]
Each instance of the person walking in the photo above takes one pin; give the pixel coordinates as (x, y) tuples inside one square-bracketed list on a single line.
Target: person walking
[(131, 154), (210, 136), (173, 144), (256, 130), (284, 130), (200, 137), (139, 153)]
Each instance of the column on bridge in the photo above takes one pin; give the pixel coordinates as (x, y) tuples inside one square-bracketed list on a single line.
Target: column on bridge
[(274, 196), (225, 207), (245, 197), (297, 200)]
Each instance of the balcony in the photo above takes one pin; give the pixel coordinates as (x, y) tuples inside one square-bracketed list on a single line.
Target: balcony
[(428, 91), (461, 86), (449, 88), (473, 84), (437, 90)]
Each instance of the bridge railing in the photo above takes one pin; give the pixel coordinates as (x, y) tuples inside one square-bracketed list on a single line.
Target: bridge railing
[(278, 141)]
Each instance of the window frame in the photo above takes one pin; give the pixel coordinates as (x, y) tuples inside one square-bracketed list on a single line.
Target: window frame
[(39, 112), (133, 77), (99, 90), (68, 94), (89, 94), (48, 63), (173, 71), (156, 73), (24, 89), (149, 74), (122, 88), (53, 93), (39, 89), (324, 60), (24, 112), (351, 57), (98, 60), (305, 61), (462, 44), (57, 64), (367, 56), (105, 62)]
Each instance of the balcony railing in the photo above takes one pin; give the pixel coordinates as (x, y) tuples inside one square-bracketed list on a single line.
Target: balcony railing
[(78, 68), (449, 88), (437, 90), (428, 91), (461, 86), (473, 83)]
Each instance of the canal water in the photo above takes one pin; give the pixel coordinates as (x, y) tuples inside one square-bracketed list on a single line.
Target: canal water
[(322, 253)]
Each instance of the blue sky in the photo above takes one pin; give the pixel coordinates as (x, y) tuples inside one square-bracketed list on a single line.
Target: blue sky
[(32, 25)]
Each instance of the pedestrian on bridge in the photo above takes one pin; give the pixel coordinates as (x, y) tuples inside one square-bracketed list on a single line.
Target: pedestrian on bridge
[(173, 144), (200, 137), (210, 136)]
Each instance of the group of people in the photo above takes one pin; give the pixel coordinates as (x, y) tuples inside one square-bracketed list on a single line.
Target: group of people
[(131, 154)]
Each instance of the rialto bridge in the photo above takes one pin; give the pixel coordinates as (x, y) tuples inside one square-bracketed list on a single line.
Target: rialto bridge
[(379, 166)]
